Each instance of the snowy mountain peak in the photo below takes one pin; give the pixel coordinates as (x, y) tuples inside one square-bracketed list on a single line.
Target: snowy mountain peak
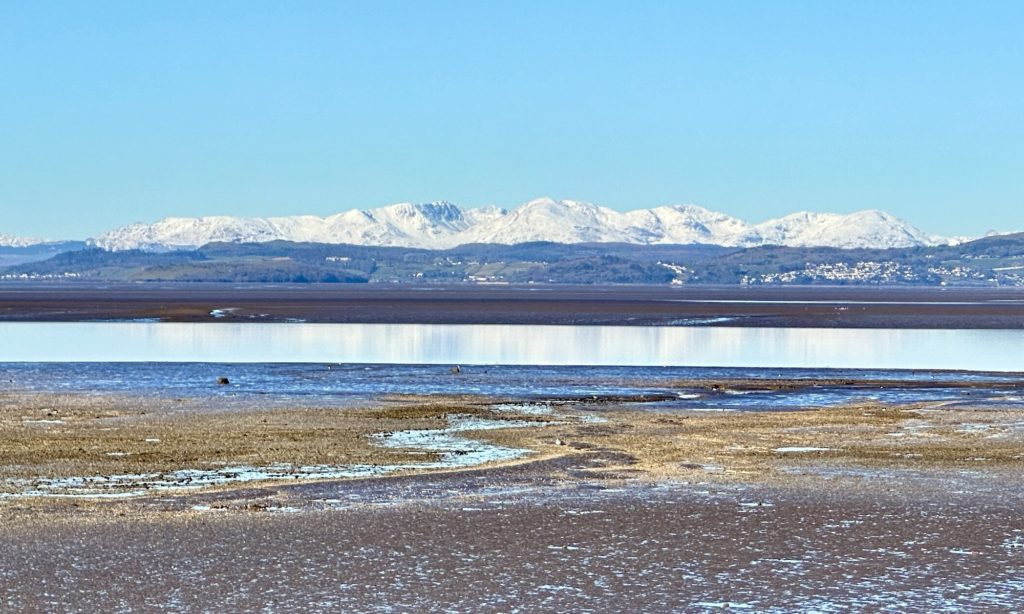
[(867, 228), (12, 241), (436, 211), (443, 224)]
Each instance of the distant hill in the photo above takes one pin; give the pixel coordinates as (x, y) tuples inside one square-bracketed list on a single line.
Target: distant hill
[(20, 251), (990, 261)]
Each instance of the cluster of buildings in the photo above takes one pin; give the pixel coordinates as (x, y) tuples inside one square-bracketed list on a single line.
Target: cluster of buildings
[(868, 271)]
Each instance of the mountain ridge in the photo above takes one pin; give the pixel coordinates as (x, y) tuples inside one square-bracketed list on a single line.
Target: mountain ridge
[(442, 224), (13, 241)]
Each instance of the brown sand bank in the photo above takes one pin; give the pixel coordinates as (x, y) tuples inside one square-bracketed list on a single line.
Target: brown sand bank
[(66, 436), (913, 508), (621, 305)]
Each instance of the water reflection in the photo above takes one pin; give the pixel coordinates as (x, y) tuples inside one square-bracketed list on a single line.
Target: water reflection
[(990, 350)]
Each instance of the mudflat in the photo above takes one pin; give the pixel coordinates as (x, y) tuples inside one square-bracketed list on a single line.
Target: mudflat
[(614, 504), (810, 306)]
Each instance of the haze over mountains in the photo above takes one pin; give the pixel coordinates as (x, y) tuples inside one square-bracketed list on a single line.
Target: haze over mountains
[(442, 225), (12, 241)]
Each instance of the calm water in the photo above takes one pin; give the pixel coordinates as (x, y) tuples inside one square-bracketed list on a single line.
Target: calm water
[(979, 350), (352, 363), (271, 384)]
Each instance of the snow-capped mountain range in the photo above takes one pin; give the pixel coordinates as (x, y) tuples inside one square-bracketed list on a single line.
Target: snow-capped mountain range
[(439, 225), (10, 241)]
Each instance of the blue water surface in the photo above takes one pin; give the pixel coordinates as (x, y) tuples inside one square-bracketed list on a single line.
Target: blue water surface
[(330, 384)]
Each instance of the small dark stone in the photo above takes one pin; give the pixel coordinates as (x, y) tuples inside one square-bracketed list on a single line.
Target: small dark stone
[(223, 381)]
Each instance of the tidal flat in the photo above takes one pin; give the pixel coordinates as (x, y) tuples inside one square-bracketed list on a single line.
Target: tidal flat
[(913, 307), (464, 502)]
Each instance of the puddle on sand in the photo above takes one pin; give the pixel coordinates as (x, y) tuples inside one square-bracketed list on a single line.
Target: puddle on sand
[(454, 450), (527, 409)]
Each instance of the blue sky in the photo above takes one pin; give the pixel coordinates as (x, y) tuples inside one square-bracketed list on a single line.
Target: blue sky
[(114, 112)]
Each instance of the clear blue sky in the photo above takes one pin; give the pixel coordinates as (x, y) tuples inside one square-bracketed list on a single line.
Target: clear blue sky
[(114, 112)]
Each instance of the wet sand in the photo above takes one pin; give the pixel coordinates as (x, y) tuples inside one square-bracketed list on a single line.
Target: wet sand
[(811, 306), (58, 445), (687, 547), (910, 508)]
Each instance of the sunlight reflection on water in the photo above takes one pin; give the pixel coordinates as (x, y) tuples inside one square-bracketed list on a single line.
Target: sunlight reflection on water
[(990, 350)]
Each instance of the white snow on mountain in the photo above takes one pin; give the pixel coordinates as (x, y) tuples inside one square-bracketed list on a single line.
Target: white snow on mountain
[(869, 228), (443, 224), (682, 224), (404, 224), (561, 221), (483, 215), (12, 241)]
